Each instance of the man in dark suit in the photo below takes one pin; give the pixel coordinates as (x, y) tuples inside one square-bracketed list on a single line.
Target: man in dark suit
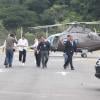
[(70, 48)]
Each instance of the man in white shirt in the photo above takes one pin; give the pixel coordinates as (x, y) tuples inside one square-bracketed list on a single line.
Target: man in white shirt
[(22, 44)]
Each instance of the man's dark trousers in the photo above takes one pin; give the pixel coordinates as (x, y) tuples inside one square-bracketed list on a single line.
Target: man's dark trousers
[(69, 61), (9, 57), (22, 56), (38, 58), (44, 58)]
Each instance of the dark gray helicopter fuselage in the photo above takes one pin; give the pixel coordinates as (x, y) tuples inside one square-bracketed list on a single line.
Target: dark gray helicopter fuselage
[(85, 39)]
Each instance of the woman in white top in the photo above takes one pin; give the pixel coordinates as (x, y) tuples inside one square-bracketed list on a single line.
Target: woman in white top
[(22, 44), (36, 53)]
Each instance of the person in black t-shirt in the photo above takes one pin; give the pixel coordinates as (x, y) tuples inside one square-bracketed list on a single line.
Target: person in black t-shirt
[(43, 48)]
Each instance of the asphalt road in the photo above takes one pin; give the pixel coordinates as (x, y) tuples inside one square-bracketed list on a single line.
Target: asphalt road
[(54, 83)]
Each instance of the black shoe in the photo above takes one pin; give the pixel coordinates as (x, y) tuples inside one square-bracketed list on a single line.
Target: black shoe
[(45, 65), (6, 66), (38, 66), (64, 66), (10, 66), (72, 69)]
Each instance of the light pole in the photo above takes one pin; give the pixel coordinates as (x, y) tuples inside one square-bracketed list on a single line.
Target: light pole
[(47, 31), (21, 31)]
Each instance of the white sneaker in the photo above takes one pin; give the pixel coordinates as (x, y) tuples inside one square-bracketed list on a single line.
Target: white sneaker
[(23, 64)]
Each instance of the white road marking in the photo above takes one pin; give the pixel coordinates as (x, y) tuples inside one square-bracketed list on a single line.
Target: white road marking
[(63, 73), (39, 95), (4, 70)]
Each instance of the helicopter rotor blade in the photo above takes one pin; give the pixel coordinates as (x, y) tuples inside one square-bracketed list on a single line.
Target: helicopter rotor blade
[(71, 23)]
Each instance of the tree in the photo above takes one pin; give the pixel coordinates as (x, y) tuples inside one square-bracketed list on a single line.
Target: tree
[(9, 2), (88, 9), (37, 5), (16, 16), (62, 2), (54, 15)]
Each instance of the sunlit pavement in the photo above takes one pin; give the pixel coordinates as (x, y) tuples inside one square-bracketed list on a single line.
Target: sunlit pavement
[(54, 83)]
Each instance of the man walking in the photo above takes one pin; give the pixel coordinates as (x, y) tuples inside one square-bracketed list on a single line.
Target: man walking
[(43, 48), (36, 53), (9, 48), (22, 44), (70, 48)]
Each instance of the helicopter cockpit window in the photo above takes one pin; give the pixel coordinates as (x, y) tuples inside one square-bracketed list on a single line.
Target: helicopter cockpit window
[(93, 36), (76, 41), (55, 41)]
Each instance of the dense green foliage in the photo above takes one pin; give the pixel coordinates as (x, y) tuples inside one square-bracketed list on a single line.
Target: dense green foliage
[(16, 13)]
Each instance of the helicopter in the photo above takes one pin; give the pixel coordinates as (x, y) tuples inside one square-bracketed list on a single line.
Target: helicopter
[(86, 39)]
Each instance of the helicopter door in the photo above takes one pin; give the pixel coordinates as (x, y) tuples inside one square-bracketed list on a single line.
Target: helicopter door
[(55, 42)]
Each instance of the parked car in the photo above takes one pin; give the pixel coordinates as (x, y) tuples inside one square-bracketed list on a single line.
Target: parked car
[(97, 68)]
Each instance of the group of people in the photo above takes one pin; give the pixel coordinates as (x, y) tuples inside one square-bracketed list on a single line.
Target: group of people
[(9, 46), (41, 50)]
